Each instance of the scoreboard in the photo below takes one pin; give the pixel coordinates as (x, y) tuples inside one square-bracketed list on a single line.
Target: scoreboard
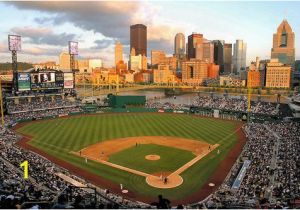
[(45, 80)]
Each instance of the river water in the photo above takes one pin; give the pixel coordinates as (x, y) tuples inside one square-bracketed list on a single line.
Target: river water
[(188, 97)]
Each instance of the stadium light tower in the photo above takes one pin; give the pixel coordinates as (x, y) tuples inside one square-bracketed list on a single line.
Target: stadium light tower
[(73, 50), (1, 104), (14, 45), (249, 100)]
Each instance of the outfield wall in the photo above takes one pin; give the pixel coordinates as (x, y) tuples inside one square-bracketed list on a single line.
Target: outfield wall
[(204, 112)]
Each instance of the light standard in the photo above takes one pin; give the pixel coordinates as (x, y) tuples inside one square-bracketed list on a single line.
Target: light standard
[(1, 103)]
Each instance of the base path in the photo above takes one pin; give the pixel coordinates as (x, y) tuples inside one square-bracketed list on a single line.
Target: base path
[(104, 149), (100, 152)]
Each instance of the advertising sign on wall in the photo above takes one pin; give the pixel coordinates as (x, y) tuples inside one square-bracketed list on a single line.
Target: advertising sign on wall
[(68, 80), (23, 82)]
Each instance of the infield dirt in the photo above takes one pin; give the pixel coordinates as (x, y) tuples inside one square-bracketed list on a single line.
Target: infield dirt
[(100, 152)]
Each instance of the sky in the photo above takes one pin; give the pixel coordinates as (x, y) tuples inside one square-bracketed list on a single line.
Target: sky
[(46, 27)]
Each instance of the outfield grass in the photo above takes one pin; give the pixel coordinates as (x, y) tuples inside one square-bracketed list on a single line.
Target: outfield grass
[(134, 157), (60, 136)]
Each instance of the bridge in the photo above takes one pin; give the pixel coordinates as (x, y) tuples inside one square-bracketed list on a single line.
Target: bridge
[(91, 90), (88, 90)]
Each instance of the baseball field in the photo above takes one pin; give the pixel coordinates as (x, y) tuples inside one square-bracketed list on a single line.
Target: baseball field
[(135, 149)]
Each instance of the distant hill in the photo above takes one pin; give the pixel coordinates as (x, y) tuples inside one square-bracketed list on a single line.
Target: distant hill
[(21, 66)]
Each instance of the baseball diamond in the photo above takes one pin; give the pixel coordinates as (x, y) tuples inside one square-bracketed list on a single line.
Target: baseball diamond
[(189, 151)]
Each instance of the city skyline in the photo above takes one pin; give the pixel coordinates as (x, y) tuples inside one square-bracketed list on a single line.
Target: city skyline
[(47, 27)]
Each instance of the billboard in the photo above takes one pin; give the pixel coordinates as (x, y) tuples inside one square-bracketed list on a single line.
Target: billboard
[(14, 42), (216, 113), (73, 48), (24, 82), (68, 80)]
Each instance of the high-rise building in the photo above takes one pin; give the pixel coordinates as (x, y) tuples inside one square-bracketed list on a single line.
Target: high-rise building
[(219, 53), (157, 57), (163, 74), (179, 46), (239, 56), (138, 62), (284, 44), (227, 58), (213, 71), (64, 61), (171, 61), (138, 39), (121, 67), (278, 75), (95, 63), (193, 40), (118, 53), (83, 66), (253, 76), (262, 71), (194, 72), (223, 56), (208, 52)]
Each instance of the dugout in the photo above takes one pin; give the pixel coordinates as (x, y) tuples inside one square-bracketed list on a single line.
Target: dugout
[(116, 101)]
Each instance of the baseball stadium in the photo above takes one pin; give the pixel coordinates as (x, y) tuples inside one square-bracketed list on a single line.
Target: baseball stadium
[(134, 151), (197, 129)]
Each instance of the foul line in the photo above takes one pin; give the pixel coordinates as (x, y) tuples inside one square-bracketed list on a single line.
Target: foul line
[(140, 173), (193, 161)]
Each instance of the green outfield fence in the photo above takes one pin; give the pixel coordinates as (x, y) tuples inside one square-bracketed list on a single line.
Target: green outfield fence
[(224, 114)]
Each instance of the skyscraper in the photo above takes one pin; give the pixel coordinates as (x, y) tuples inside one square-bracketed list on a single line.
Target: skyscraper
[(118, 53), (208, 52), (219, 53), (179, 45), (239, 56), (227, 58), (284, 44), (223, 56), (193, 40), (138, 39)]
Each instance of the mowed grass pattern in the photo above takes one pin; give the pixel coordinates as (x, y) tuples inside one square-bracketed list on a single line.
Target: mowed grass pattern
[(60, 136), (134, 157)]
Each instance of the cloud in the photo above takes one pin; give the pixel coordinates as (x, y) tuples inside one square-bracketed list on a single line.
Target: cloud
[(41, 51), (43, 36), (103, 43), (3, 47), (112, 19)]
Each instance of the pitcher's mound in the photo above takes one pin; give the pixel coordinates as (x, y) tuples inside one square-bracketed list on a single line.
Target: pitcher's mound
[(152, 157), (157, 180)]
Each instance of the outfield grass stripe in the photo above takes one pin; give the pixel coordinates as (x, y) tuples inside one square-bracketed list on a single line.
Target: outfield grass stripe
[(81, 131)]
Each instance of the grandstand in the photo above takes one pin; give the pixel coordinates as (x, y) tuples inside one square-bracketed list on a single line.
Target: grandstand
[(266, 174)]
